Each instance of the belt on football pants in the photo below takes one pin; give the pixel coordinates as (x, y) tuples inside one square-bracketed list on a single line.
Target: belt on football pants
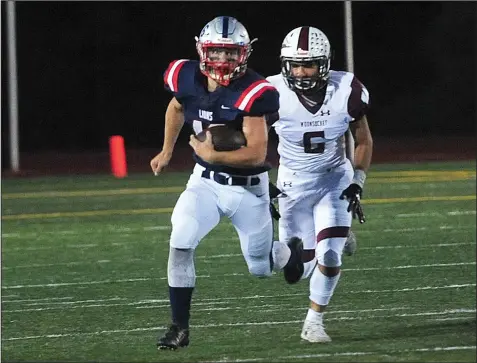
[(231, 180)]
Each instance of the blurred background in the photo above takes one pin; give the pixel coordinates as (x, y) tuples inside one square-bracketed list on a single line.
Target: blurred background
[(89, 70)]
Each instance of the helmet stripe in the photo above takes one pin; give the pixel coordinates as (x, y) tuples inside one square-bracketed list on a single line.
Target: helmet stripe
[(225, 27), (303, 38)]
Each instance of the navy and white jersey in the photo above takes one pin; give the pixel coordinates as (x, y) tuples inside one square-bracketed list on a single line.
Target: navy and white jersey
[(249, 95)]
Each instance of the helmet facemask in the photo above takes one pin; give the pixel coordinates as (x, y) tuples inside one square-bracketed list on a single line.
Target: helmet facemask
[(224, 47), (305, 83), (223, 62)]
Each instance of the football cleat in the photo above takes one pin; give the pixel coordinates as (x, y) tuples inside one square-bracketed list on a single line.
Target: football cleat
[(294, 269), (314, 332), (350, 244), (174, 338)]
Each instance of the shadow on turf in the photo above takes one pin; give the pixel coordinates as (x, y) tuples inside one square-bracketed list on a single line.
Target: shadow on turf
[(424, 329)]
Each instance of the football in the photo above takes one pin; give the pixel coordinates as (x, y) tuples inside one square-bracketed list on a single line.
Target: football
[(224, 138)]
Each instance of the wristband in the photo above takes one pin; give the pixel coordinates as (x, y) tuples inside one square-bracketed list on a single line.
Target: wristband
[(359, 177)]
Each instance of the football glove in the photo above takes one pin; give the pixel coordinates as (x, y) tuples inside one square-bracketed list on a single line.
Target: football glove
[(353, 195), (274, 211), (274, 193)]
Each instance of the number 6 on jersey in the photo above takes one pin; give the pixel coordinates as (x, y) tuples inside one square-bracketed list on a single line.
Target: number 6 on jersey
[(311, 144)]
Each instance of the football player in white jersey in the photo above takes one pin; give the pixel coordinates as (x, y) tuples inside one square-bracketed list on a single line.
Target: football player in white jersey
[(321, 188)]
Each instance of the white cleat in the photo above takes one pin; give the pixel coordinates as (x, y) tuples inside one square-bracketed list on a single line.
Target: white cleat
[(350, 245), (314, 332)]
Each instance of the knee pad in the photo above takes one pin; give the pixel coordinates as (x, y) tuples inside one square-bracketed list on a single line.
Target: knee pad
[(180, 267), (258, 247), (328, 251), (184, 233)]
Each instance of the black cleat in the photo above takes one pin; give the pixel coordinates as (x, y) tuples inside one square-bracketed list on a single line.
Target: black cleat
[(294, 269), (174, 338)]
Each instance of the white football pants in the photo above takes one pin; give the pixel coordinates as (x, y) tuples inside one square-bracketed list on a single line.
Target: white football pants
[(204, 201), (313, 205)]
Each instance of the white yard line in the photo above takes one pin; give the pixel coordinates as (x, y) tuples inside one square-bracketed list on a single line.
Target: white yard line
[(423, 214), (82, 233), (79, 283), (109, 281), (152, 303), (233, 237), (444, 319), (157, 228), (281, 296), (437, 214), (237, 324), (208, 276), (227, 255), (405, 229), (71, 263), (46, 299), (426, 246), (409, 266), (73, 306), (461, 213), (346, 354), (166, 228), (72, 302)]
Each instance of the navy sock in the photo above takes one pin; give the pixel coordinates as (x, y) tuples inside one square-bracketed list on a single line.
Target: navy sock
[(180, 298)]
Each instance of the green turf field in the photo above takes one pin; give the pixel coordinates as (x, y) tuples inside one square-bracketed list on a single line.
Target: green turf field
[(84, 275)]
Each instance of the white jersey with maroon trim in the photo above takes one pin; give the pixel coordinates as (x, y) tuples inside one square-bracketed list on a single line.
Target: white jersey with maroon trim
[(314, 142)]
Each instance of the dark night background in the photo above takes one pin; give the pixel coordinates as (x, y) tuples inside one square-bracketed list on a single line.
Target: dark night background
[(88, 70)]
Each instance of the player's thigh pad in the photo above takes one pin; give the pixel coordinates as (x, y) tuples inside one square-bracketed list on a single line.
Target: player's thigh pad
[(195, 215), (297, 220), (254, 226), (330, 210)]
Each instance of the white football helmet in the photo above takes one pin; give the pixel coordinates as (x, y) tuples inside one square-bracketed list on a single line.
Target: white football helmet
[(224, 47), (306, 45)]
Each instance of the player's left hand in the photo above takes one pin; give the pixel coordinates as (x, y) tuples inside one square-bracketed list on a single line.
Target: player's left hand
[(353, 195), (205, 150), (274, 212)]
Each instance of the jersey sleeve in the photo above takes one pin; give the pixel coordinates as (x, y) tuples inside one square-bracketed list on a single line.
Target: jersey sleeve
[(261, 98), (358, 102), (175, 78)]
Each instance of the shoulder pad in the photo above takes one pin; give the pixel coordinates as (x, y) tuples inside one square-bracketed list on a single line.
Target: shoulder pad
[(275, 79), (259, 98), (179, 77), (358, 101)]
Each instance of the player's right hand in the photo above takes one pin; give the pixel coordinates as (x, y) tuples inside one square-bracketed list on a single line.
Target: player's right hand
[(160, 161)]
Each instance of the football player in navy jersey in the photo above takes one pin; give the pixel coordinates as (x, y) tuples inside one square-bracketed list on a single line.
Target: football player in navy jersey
[(220, 89)]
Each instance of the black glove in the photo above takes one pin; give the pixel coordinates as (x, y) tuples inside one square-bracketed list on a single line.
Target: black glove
[(274, 212), (273, 191), (353, 195)]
